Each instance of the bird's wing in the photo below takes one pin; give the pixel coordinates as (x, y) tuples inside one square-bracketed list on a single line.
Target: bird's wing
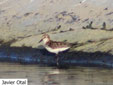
[(55, 44)]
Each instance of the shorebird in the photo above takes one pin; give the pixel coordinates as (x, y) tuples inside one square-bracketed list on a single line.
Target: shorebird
[(54, 46)]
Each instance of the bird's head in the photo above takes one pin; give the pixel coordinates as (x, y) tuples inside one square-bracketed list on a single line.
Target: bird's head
[(45, 38)]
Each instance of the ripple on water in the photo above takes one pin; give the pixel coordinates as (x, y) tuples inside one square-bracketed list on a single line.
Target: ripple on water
[(53, 76)]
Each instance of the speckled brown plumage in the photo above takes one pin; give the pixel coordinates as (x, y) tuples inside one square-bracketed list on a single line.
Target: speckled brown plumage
[(55, 44)]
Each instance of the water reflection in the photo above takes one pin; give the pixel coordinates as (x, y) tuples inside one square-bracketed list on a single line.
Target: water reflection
[(52, 76)]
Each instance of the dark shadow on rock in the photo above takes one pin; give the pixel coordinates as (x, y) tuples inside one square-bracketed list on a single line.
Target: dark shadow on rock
[(29, 55)]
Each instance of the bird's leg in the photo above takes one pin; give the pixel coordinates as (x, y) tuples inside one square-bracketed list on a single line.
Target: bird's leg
[(57, 60)]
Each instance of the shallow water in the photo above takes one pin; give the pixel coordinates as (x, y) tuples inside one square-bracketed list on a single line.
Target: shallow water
[(38, 75)]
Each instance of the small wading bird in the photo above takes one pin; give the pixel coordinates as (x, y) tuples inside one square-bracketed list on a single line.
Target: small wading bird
[(54, 46)]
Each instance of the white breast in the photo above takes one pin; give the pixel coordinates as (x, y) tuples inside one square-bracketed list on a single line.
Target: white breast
[(57, 50)]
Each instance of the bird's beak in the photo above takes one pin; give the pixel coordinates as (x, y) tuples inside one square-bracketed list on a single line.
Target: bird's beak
[(40, 40)]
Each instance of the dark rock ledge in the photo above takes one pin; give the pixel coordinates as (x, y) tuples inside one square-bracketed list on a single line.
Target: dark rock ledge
[(28, 55)]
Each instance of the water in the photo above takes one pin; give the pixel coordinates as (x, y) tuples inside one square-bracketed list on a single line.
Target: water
[(38, 75)]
